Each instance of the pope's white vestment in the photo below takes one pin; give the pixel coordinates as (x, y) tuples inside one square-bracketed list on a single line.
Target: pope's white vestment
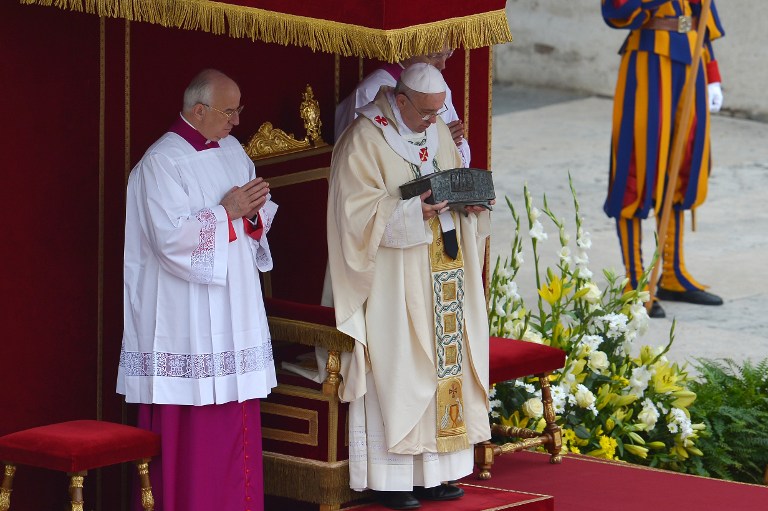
[(195, 329), (383, 297)]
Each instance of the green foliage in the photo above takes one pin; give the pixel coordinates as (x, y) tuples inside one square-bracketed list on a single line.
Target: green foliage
[(733, 403)]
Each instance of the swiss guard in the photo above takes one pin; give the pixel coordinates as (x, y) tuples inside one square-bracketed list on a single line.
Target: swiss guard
[(655, 58)]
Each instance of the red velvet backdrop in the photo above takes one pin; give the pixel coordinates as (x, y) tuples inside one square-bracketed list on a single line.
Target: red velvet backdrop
[(64, 203)]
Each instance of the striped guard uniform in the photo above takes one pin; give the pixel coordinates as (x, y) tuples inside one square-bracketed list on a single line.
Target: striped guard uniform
[(652, 74)]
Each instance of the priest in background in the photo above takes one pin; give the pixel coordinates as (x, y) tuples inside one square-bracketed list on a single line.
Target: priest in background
[(408, 287), (388, 74), (196, 352)]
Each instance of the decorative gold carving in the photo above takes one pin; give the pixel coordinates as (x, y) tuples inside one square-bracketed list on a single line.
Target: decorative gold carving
[(76, 490), (76, 482), (6, 487), (333, 366), (311, 416), (5, 499), (147, 499), (270, 141)]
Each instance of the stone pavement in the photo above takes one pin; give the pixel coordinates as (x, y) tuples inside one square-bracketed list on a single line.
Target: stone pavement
[(539, 136)]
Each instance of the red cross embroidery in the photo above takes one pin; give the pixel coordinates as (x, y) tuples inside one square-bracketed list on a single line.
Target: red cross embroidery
[(423, 154), (381, 120)]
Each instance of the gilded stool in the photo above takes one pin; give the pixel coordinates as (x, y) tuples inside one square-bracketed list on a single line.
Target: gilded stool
[(75, 447)]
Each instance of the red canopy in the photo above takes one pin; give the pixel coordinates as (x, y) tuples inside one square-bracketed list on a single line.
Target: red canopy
[(389, 30)]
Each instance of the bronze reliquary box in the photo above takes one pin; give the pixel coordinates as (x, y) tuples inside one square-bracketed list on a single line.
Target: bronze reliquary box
[(460, 187)]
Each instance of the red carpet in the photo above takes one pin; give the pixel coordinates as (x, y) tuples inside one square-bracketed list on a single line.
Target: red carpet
[(523, 481), (582, 483), (479, 498)]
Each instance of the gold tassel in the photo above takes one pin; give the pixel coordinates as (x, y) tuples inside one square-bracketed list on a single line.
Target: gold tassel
[(452, 443), (469, 32), (309, 334), (321, 482)]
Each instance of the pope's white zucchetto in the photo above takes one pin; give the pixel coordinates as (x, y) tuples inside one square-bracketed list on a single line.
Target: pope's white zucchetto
[(422, 77)]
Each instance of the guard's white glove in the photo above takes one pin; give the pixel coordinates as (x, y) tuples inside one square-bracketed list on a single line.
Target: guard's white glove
[(715, 97)]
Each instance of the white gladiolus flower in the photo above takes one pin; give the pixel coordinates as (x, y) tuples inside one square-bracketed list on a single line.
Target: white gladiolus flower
[(585, 273), (584, 240), (519, 260), (533, 408), (581, 258), (537, 231), (535, 213), (565, 255), (638, 382), (510, 290), (492, 392), (584, 397)]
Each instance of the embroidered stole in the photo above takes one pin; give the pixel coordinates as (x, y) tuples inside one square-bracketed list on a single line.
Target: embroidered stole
[(448, 295)]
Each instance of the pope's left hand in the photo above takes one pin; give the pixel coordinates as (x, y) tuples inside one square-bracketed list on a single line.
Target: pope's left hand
[(477, 209), (715, 97)]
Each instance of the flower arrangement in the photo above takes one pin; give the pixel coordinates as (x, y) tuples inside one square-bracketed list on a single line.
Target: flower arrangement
[(611, 400)]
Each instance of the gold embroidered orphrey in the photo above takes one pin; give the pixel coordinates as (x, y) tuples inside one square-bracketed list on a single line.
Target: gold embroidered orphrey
[(448, 295)]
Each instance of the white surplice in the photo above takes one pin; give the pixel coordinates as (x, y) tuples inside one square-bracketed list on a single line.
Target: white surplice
[(195, 329)]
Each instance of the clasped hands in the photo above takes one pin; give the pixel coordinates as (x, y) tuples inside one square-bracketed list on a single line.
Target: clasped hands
[(247, 200), (432, 210)]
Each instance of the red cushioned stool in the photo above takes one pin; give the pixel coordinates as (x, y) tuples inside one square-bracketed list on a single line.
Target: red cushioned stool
[(510, 359), (76, 447)]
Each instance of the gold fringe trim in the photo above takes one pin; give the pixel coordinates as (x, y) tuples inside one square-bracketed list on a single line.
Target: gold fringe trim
[(309, 334), (308, 480), (452, 443), (473, 31)]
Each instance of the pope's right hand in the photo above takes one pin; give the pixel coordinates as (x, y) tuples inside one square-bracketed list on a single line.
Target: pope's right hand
[(431, 210)]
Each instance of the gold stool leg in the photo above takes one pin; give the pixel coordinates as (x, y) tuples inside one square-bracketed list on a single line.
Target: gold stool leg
[(147, 500), (552, 429), (76, 490), (6, 487)]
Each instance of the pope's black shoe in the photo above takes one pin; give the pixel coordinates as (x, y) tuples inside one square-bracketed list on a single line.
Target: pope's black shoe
[(697, 296), (440, 492), (397, 500), (656, 310)]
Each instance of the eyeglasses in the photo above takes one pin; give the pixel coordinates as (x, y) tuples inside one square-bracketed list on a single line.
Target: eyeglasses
[(443, 55), (426, 117), (226, 113)]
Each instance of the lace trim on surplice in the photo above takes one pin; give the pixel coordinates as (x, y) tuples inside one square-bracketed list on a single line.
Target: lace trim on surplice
[(198, 366), (203, 256)]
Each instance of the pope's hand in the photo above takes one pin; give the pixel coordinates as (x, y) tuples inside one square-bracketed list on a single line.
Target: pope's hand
[(431, 210), (246, 200), (715, 97)]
